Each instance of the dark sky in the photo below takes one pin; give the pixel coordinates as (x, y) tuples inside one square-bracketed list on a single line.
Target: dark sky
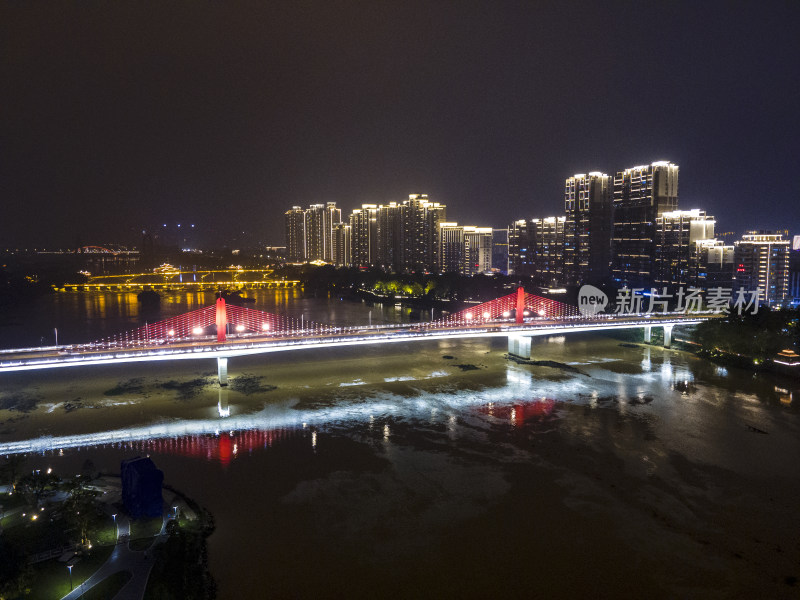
[(118, 115)]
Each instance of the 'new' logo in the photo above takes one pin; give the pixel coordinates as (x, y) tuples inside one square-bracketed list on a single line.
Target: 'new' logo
[(591, 300)]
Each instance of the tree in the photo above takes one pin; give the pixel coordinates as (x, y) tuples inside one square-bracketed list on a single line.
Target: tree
[(15, 572), (37, 486), (81, 509), (10, 469)]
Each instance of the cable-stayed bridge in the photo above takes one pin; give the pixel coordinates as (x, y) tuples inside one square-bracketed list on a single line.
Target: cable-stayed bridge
[(224, 331)]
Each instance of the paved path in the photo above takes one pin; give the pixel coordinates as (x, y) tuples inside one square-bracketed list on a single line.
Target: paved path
[(124, 559)]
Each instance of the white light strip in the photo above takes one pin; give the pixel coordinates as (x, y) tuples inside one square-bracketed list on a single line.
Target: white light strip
[(311, 343)]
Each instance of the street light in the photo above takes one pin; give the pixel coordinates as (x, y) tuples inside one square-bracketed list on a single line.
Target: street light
[(69, 567)]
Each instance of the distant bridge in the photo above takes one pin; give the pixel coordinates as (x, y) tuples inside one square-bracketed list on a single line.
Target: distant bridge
[(176, 279), (226, 331)]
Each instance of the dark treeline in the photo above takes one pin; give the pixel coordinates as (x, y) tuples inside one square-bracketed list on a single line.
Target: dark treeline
[(750, 339), (417, 288)]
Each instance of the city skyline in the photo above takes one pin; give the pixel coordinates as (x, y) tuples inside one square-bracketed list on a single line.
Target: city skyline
[(222, 116)]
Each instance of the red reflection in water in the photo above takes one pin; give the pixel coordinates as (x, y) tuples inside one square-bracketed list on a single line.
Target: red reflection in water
[(221, 448), (520, 412), (224, 447)]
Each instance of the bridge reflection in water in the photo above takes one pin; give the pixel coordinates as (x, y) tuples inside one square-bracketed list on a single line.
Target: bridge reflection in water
[(222, 447), (222, 441)]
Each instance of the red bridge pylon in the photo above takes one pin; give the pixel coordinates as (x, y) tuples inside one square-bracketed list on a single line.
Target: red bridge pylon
[(519, 305), (221, 320)]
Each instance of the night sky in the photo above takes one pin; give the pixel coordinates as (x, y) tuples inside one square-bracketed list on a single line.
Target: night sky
[(120, 115)]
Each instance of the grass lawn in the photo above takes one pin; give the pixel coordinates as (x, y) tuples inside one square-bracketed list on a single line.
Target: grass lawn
[(109, 587), (9, 501), (51, 578), (143, 531), (34, 532)]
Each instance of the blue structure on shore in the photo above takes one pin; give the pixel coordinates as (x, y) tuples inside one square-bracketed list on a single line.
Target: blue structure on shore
[(141, 487)]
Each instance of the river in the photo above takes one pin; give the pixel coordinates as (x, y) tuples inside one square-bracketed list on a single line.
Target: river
[(439, 469)]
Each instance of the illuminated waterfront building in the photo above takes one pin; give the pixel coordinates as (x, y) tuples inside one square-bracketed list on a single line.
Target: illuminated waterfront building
[(402, 237), (419, 242), (364, 235), (518, 240), (451, 250), (761, 260), (477, 250), (464, 249), (678, 257), (500, 256), (794, 271), (588, 205), (641, 194), (716, 258), (547, 245), (536, 248), (309, 232), (342, 245), (390, 231), (295, 234)]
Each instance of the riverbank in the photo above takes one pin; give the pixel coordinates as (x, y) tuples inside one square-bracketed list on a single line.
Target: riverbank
[(395, 471)]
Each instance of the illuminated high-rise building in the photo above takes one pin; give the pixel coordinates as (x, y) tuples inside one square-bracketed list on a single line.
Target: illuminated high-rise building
[(761, 261), (295, 234), (319, 220), (342, 245), (536, 249), (716, 260), (477, 250), (451, 247), (309, 232), (588, 204), (500, 251), (364, 235), (794, 271), (641, 194), (678, 257), (419, 241), (390, 231), (519, 259), (546, 238), (464, 249)]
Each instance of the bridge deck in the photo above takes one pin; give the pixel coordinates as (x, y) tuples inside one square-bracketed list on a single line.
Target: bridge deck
[(97, 354)]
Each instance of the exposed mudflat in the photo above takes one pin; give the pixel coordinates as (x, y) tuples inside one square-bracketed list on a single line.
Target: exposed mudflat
[(394, 470)]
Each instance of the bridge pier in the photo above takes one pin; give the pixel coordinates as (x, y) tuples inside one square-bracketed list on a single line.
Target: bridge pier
[(223, 408), (668, 335), (519, 346), (222, 370), (648, 334)]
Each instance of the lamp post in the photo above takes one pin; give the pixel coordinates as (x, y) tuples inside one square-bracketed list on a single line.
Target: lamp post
[(69, 567)]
